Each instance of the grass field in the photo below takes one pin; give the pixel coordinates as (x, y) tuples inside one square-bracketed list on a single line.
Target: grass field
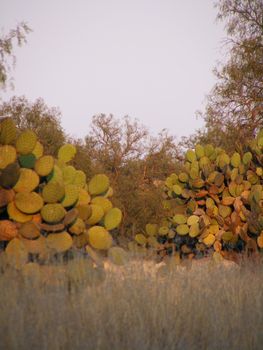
[(206, 306)]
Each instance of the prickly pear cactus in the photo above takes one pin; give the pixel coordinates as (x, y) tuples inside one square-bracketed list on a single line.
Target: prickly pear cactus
[(47, 207), (214, 205)]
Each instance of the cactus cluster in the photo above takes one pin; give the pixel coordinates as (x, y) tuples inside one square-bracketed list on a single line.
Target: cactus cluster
[(214, 205), (47, 207)]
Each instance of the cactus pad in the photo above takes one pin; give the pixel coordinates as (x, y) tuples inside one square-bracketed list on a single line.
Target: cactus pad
[(28, 181), (80, 179), (98, 184), (84, 211), (53, 192), (7, 156), (71, 195), (53, 213), (67, 152), (8, 230), (7, 131), (99, 238), (29, 230), (6, 196), (9, 176), (59, 242), (113, 218), (97, 214), (17, 215), (38, 150), (27, 160), (78, 227), (44, 165), (103, 202), (26, 142), (28, 202)]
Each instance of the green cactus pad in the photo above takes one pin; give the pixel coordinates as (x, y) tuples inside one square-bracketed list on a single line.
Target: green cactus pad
[(179, 219), (99, 238), (27, 182), (27, 160), (59, 242), (113, 218), (235, 160), (28, 202), (53, 213), (53, 192), (67, 152), (44, 165), (7, 131), (26, 142), (98, 184)]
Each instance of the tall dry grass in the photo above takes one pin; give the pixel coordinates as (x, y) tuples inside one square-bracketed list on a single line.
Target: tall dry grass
[(205, 307)]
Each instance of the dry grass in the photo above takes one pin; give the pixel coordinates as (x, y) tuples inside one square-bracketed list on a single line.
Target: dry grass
[(205, 307)]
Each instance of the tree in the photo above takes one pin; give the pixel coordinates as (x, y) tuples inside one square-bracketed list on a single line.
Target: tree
[(234, 109), (7, 58), (39, 117), (136, 163)]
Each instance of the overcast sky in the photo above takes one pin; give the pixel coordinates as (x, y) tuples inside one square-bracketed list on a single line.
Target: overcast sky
[(150, 59)]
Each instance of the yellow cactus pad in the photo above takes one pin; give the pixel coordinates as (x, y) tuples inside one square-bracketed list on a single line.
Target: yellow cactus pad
[(44, 165), (105, 203), (26, 142), (209, 240), (71, 195), (99, 238), (7, 131), (7, 155), (28, 202), (27, 182), (67, 152), (84, 197), (112, 218), (53, 213), (98, 184), (59, 242), (140, 239), (38, 151), (97, 214), (151, 229), (17, 215), (78, 227), (53, 192), (80, 179)]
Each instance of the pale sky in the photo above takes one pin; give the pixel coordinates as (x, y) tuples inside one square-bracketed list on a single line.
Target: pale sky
[(149, 59)]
